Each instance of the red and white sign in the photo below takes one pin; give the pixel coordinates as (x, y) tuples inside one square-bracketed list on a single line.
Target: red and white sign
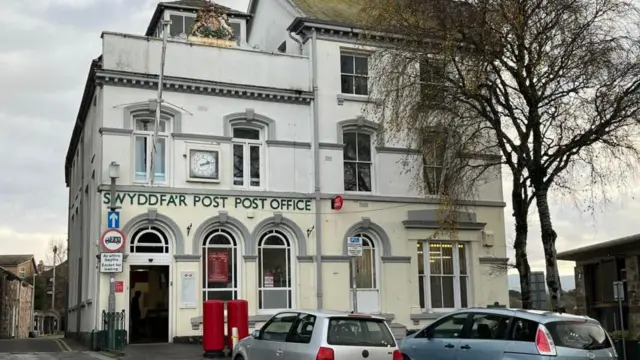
[(112, 240), (218, 267), (119, 286), (337, 202), (268, 280)]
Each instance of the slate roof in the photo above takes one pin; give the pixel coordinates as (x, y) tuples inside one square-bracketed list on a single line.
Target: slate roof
[(339, 11), (13, 260)]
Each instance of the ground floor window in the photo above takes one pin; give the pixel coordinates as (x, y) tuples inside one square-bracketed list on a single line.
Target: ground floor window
[(443, 276), (220, 266), (274, 268)]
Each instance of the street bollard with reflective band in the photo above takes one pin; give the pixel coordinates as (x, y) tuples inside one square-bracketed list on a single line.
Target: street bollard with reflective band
[(234, 337), (237, 317)]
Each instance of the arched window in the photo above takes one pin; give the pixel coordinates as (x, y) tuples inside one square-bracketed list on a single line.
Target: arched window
[(274, 264), (366, 264), (143, 130), (149, 241), (248, 157), (219, 266)]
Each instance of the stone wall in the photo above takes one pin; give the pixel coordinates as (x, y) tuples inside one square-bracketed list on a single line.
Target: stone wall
[(14, 295)]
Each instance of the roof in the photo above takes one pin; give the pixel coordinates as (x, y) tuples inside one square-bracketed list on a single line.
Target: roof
[(606, 248), (13, 260), (186, 5), (340, 11)]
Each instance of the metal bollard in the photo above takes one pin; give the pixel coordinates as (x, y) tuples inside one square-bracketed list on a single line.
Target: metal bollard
[(234, 336)]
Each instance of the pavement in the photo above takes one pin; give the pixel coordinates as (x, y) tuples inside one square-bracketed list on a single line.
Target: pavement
[(50, 348), (163, 352)]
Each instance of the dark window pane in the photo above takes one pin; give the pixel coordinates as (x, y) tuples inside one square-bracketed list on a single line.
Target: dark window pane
[(188, 24), (350, 183), (244, 133), (364, 177), (361, 87), (254, 156), (447, 292), (364, 147), (237, 32), (524, 330), (177, 23), (346, 64), (464, 302), (421, 291), (238, 165), (224, 295), (436, 292), (362, 65), (350, 142), (347, 84)]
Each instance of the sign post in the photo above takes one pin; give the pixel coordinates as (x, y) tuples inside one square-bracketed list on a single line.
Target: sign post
[(618, 295), (112, 241), (354, 249)]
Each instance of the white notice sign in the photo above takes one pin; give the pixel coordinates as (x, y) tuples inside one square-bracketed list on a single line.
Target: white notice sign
[(354, 246), (188, 290), (111, 262)]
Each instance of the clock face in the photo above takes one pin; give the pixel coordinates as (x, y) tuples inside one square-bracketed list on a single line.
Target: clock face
[(204, 164)]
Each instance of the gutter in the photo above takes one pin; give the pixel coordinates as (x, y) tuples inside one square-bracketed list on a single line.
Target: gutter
[(316, 168)]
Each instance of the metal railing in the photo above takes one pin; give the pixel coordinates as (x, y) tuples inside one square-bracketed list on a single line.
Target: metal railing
[(114, 333)]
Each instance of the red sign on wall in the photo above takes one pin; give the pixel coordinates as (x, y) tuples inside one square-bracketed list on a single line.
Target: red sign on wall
[(119, 286), (218, 267)]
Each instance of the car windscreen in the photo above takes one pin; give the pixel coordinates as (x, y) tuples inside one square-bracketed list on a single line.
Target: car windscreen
[(579, 335), (359, 331)]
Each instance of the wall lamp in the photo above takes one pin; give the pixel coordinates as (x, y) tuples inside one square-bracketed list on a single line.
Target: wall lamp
[(114, 170)]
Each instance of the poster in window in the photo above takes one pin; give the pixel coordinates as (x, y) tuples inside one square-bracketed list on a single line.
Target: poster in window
[(218, 267), (268, 280)]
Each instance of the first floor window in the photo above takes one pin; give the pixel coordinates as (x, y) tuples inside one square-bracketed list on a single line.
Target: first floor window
[(357, 161), (443, 276), (220, 270), (247, 157), (144, 151), (274, 268)]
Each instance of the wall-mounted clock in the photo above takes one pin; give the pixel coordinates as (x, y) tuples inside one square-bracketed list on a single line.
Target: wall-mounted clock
[(204, 164)]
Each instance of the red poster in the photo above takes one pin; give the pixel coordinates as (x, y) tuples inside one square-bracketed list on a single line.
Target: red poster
[(119, 286), (268, 280), (218, 267)]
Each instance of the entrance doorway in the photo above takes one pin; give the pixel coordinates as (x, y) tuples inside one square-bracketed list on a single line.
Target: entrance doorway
[(149, 304)]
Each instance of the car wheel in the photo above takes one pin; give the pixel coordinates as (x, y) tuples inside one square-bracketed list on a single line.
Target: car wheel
[(238, 357)]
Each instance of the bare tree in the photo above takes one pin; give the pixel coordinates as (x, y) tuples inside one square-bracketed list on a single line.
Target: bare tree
[(60, 253), (550, 86)]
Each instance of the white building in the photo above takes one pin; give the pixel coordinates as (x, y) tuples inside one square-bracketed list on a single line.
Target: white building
[(276, 113)]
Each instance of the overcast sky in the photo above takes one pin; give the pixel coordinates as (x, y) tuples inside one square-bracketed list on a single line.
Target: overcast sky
[(46, 47)]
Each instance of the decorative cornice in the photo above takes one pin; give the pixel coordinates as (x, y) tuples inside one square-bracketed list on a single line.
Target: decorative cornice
[(202, 137), (422, 224), (490, 260), (289, 144), (202, 87)]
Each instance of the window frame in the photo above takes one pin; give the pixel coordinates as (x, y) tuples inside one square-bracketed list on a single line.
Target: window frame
[(439, 160), (425, 278), (371, 162), (246, 146), (148, 135), (239, 39), (166, 246), (288, 248), (235, 266), (373, 251), (355, 54), (433, 87), (277, 315)]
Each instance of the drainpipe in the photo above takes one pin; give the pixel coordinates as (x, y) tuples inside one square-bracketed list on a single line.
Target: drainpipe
[(316, 168), (299, 43)]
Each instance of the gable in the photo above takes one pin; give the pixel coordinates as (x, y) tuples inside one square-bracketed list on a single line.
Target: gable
[(14, 260)]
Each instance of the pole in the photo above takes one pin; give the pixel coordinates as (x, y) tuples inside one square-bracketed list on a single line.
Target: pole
[(354, 293), (53, 289), (165, 32), (620, 286), (112, 277), (18, 305), (33, 302)]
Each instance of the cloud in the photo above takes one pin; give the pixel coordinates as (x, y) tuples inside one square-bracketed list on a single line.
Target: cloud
[(47, 46)]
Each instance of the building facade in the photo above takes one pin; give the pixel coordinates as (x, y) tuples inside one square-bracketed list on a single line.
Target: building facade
[(597, 268), (15, 306), (255, 140), (23, 266)]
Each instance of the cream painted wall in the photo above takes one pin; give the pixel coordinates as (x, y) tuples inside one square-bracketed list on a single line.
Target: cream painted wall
[(398, 281)]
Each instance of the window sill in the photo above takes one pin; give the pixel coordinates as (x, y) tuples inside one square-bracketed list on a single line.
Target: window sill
[(357, 98), (208, 181)]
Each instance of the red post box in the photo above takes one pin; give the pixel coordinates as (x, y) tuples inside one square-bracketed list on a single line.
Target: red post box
[(237, 317), (213, 328)]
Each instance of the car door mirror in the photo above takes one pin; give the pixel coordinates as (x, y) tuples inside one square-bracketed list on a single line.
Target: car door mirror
[(255, 334)]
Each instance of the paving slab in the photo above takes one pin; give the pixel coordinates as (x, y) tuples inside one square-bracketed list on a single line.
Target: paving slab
[(164, 352)]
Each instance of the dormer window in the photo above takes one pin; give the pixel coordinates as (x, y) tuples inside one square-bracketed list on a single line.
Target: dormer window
[(181, 24)]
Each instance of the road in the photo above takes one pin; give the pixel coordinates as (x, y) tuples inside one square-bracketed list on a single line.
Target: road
[(43, 349)]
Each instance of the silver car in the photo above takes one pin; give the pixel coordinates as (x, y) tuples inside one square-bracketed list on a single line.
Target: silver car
[(319, 335)]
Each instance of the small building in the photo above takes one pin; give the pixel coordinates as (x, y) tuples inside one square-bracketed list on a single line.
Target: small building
[(15, 305), (24, 266), (597, 267), (51, 316), (256, 137)]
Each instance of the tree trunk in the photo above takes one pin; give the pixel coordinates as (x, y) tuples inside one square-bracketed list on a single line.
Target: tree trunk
[(549, 237), (520, 206)]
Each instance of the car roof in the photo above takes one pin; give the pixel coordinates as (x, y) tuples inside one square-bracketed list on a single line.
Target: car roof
[(331, 313), (540, 316)]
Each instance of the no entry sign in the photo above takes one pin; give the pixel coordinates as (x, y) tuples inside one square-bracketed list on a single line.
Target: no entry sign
[(112, 240)]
